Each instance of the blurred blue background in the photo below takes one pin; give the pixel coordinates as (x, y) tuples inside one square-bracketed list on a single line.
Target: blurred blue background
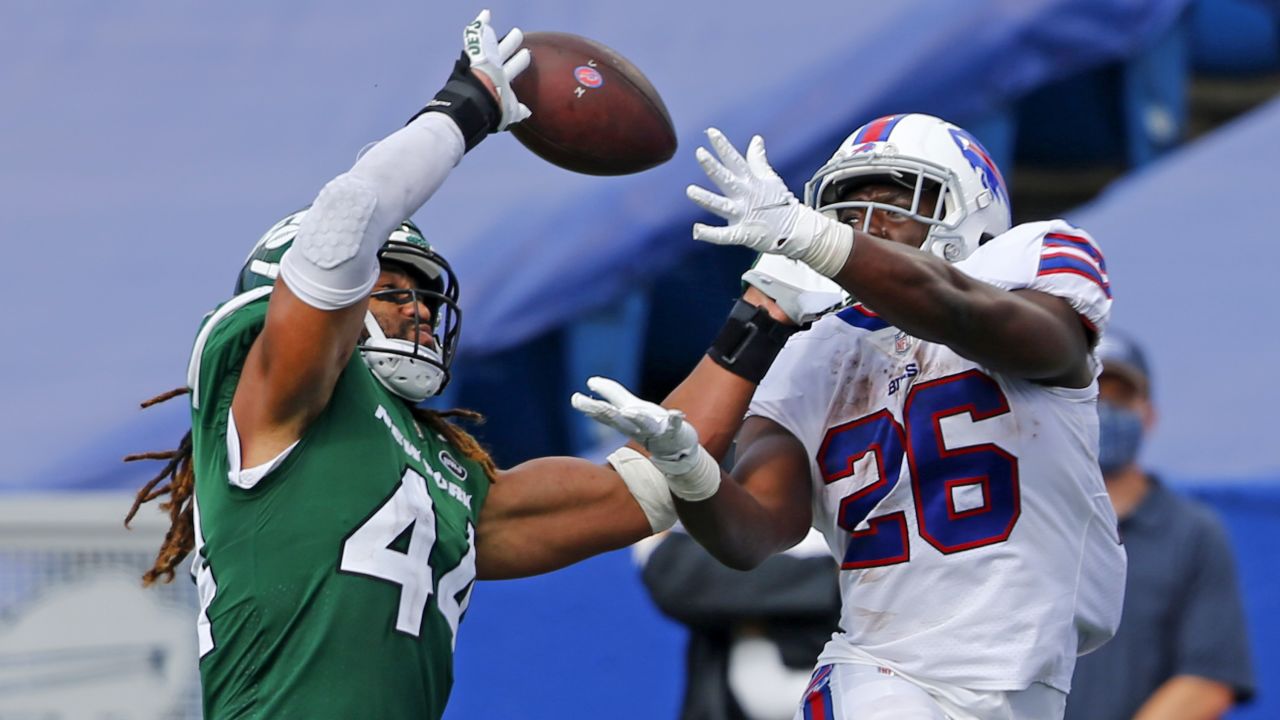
[(144, 147)]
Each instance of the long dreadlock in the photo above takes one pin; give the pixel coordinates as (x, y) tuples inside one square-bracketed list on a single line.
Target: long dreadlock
[(180, 539)]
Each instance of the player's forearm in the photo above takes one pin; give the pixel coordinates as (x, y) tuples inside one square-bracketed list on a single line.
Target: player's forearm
[(551, 512), (716, 395), (914, 291), (1024, 333), (714, 401), (733, 526), (410, 165), (1187, 697)]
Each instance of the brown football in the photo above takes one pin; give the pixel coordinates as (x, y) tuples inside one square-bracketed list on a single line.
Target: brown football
[(593, 111)]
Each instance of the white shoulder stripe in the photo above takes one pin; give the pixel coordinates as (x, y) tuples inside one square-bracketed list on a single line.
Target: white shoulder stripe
[(232, 305)]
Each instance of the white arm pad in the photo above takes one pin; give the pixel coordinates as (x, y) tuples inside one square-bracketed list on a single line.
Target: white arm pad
[(803, 293), (333, 262), (647, 485)]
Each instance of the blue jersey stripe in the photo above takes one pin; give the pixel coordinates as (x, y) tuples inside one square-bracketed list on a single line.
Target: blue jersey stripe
[(1088, 248), (1074, 266), (860, 317)]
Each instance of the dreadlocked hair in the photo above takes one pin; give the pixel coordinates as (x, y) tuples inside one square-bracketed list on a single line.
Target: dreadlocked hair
[(179, 541), (438, 421), (180, 538)]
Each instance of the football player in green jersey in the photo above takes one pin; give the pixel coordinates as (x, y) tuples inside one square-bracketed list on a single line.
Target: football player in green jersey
[(338, 528)]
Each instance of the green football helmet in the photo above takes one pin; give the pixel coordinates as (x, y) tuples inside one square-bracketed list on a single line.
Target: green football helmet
[(407, 368)]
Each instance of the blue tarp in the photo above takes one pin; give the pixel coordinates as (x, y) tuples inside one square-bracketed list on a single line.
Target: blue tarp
[(1193, 252), (146, 146)]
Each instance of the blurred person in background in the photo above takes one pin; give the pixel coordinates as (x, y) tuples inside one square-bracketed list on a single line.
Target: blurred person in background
[(1181, 652), (941, 432), (753, 636)]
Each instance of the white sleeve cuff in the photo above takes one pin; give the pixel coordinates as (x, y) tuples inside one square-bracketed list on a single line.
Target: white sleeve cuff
[(647, 485)]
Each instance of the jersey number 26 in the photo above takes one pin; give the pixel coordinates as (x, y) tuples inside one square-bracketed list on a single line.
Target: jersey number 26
[(938, 475)]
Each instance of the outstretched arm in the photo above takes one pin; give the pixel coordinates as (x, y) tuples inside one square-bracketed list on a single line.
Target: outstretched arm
[(551, 512), (316, 311), (763, 507), (1026, 333), (714, 399)]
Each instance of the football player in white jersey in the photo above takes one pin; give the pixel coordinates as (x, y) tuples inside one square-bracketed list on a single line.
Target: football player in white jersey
[(941, 430)]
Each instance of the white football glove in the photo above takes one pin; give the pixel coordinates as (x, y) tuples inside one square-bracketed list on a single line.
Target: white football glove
[(762, 213), (662, 432), (499, 61), (802, 293), (691, 472)]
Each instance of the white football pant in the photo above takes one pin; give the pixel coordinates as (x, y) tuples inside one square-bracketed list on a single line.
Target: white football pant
[(847, 691)]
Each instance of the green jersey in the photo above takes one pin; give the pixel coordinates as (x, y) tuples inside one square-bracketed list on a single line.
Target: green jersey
[(333, 585)]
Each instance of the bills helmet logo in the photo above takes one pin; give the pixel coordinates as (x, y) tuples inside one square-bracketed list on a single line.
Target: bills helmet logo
[(981, 162), (588, 76)]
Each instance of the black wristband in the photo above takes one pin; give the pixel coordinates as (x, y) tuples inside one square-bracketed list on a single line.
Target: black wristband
[(749, 341), (465, 99)]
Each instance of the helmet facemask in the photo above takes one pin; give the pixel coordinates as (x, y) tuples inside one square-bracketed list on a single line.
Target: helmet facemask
[(407, 367), (944, 219), (921, 152)]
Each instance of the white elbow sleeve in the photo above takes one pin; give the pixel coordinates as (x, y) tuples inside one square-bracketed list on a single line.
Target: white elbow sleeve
[(333, 262), (647, 485)]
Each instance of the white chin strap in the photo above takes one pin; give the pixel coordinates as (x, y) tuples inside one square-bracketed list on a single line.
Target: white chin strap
[(411, 378)]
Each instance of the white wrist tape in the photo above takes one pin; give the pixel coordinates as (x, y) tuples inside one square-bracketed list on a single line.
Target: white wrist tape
[(647, 485), (692, 479), (333, 262), (831, 242)]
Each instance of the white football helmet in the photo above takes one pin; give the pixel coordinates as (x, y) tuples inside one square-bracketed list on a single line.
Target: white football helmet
[(919, 152), (407, 368)]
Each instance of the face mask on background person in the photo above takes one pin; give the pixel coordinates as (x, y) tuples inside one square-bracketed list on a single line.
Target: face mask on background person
[(1119, 436)]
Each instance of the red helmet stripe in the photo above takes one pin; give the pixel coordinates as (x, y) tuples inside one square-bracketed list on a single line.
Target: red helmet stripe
[(877, 130)]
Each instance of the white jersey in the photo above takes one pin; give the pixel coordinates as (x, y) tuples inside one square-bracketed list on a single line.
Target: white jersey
[(977, 543)]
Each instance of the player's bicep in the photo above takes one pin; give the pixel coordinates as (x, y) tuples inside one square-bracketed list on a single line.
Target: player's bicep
[(551, 512), (1027, 333), (773, 466), (291, 370)]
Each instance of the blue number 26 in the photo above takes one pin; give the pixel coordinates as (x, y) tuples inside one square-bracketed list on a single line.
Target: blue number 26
[(937, 473)]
